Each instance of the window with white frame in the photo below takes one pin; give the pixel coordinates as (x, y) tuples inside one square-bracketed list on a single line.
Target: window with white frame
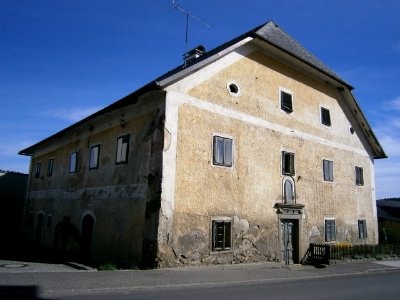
[(327, 167), (122, 149), (222, 151), (50, 164), (330, 230), (359, 176), (94, 157), (325, 116), (362, 229), (221, 235), (38, 166), (288, 163), (286, 99), (73, 160)]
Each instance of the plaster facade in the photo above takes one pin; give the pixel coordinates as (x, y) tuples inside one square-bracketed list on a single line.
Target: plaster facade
[(219, 171)]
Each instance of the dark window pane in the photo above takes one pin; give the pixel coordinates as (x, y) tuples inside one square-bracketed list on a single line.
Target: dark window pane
[(286, 102), (288, 163), (325, 117)]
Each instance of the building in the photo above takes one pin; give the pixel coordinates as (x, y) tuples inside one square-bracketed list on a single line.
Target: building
[(12, 197), (247, 152)]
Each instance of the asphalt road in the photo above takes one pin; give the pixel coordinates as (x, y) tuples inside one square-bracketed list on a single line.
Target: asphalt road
[(359, 280), (366, 286)]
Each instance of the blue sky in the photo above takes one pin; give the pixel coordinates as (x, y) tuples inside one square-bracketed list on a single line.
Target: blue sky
[(61, 60)]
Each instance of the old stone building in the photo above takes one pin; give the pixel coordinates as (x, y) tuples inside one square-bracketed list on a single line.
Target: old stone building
[(245, 153)]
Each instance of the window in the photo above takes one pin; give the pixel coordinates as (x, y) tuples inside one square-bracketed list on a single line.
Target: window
[(221, 235), (286, 102), (330, 230), (37, 169), (328, 170), (50, 164), (359, 176), (94, 157), (288, 193), (287, 163), (122, 149), (325, 117), (233, 88), (362, 229), (72, 162), (223, 153)]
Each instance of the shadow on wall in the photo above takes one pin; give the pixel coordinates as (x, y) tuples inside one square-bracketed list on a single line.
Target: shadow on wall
[(12, 197)]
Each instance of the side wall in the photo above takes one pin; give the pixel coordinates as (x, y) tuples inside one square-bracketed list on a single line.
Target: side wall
[(120, 200), (247, 192)]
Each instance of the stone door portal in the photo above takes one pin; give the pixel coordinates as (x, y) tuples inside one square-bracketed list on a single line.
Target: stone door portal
[(289, 241)]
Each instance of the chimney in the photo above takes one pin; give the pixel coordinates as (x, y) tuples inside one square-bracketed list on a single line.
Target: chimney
[(190, 56)]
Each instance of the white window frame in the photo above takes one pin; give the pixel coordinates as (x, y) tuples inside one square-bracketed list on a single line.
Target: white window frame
[(362, 229), (212, 240), (96, 157), (359, 181), (72, 168), (50, 167), (333, 239), (223, 136), (330, 173), (321, 107), (119, 160), (38, 169), (234, 82), (287, 91), (282, 162)]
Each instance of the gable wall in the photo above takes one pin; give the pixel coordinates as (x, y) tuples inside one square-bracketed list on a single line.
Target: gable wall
[(247, 192)]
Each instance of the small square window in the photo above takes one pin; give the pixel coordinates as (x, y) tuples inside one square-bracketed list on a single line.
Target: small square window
[(327, 166), (221, 235), (73, 162), (359, 176), (325, 117), (50, 165), (38, 166), (330, 230), (362, 229), (286, 102), (222, 151), (122, 149), (288, 163), (94, 157)]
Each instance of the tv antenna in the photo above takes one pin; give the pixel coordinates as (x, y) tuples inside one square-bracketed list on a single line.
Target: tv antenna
[(177, 6)]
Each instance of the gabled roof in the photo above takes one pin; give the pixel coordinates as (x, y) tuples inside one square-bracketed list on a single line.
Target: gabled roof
[(269, 33)]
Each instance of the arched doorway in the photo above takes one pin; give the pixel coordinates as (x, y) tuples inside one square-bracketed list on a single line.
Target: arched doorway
[(86, 237)]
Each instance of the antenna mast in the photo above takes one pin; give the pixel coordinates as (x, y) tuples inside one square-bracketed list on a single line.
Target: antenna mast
[(177, 6)]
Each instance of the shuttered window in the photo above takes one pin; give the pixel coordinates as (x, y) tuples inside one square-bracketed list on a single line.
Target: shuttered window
[(286, 102), (325, 117), (221, 235), (330, 230)]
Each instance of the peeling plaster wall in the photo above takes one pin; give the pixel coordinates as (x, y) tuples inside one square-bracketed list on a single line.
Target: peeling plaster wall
[(247, 192), (124, 199)]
